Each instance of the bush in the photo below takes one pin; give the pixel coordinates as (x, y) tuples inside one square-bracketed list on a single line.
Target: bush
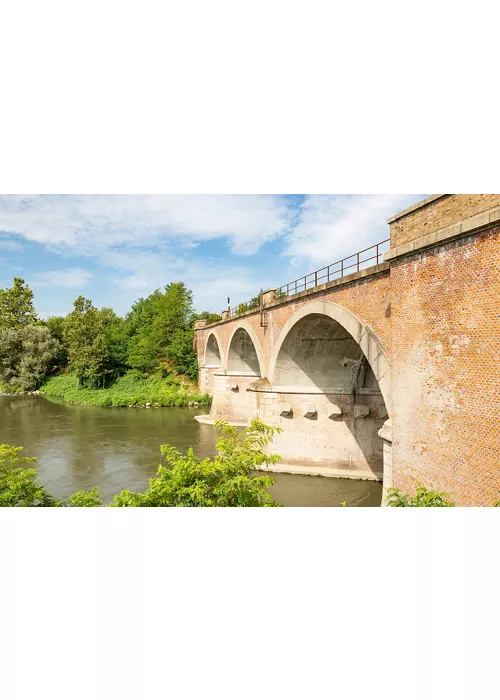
[(18, 484), (133, 389), (422, 499), (224, 481)]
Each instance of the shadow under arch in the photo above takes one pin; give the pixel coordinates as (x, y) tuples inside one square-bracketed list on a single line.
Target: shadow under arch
[(244, 355), (367, 341), (212, 356), (327, 349)]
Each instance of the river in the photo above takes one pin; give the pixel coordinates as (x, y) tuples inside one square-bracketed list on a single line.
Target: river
[(79, 447)]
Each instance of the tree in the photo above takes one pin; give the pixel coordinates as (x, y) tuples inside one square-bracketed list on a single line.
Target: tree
[(26, 355), (55, 324), (16, 305), (161, 329), (86, 335)]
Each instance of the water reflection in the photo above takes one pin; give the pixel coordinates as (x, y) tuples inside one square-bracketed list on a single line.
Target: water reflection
[(79, 447)]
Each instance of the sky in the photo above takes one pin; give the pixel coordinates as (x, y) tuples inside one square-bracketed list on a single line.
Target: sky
[(115, 249)]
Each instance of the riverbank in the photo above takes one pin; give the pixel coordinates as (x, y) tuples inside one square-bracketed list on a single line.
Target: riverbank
[(129, 390)]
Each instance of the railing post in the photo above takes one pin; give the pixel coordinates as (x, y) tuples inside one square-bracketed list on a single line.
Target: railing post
[(358, 262), (341, 268), (316, 278)]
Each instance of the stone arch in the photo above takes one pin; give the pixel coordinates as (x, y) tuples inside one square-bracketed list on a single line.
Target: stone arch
[(371, 346), (212, 356), (244, 355), (359, 337)]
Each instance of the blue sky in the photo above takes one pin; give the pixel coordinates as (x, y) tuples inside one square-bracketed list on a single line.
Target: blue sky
[(117, 248)]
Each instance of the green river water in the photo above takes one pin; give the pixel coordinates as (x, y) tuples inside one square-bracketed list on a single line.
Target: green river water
[(79, 447)]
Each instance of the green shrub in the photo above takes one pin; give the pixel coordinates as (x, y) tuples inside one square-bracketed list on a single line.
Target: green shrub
[(133, 389), (422, 499), (224, 481)]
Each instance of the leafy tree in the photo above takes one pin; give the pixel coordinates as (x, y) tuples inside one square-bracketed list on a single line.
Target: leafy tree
[(87, 337), (118, 338), (55, 324), (161, 329), (224, 481), (16, 305), (26, 355)]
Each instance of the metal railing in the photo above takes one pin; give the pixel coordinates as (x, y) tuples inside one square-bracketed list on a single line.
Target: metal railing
[(353, 263), (245, 306), (335, 271)]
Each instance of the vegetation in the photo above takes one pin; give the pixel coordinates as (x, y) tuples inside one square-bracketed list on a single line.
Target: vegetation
[(254, 303), (132, 389), (98, 357), (185, 480), (18, 484), (422, 499), (26, 355), (16, 306)]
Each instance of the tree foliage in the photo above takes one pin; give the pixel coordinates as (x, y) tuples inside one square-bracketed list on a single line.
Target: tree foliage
[(86, 335), (26, 355), (161, 331), (98, 347), (16, 305)]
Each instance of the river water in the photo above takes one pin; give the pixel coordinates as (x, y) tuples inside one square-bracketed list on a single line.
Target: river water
[(79, 447)]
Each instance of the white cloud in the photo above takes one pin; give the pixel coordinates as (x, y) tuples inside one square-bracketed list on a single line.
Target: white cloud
[(86, 223), (145, 241), (331, 227), (11, 246), (210, 280), (72, 278)]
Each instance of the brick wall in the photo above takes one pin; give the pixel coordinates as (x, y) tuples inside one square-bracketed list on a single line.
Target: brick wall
[(439, 214), (446, 369)]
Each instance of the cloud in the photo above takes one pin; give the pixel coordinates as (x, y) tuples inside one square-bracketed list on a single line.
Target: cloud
[(11, 246), (86, 223), (142, 242), (330, 227), (72, 278), (211, 280)]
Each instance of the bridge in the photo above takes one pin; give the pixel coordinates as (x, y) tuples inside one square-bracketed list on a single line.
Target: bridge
[(382, 366)]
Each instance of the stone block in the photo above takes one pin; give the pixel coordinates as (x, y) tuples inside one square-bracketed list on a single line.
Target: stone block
[(361, 411), (333, 411)]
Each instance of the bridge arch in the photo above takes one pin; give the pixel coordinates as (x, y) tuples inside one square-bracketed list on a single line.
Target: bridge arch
[(372, 348), (244, 355), (212, 357), (325, 348)]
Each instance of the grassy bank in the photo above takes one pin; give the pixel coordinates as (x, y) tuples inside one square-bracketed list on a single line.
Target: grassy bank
[(129, 390)]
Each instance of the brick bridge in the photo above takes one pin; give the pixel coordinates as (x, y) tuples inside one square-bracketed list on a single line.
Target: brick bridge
[(388, 372)]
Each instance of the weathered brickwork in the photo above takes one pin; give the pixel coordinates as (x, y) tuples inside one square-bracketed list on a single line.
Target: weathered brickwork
[(446, 369), (439, 214)]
